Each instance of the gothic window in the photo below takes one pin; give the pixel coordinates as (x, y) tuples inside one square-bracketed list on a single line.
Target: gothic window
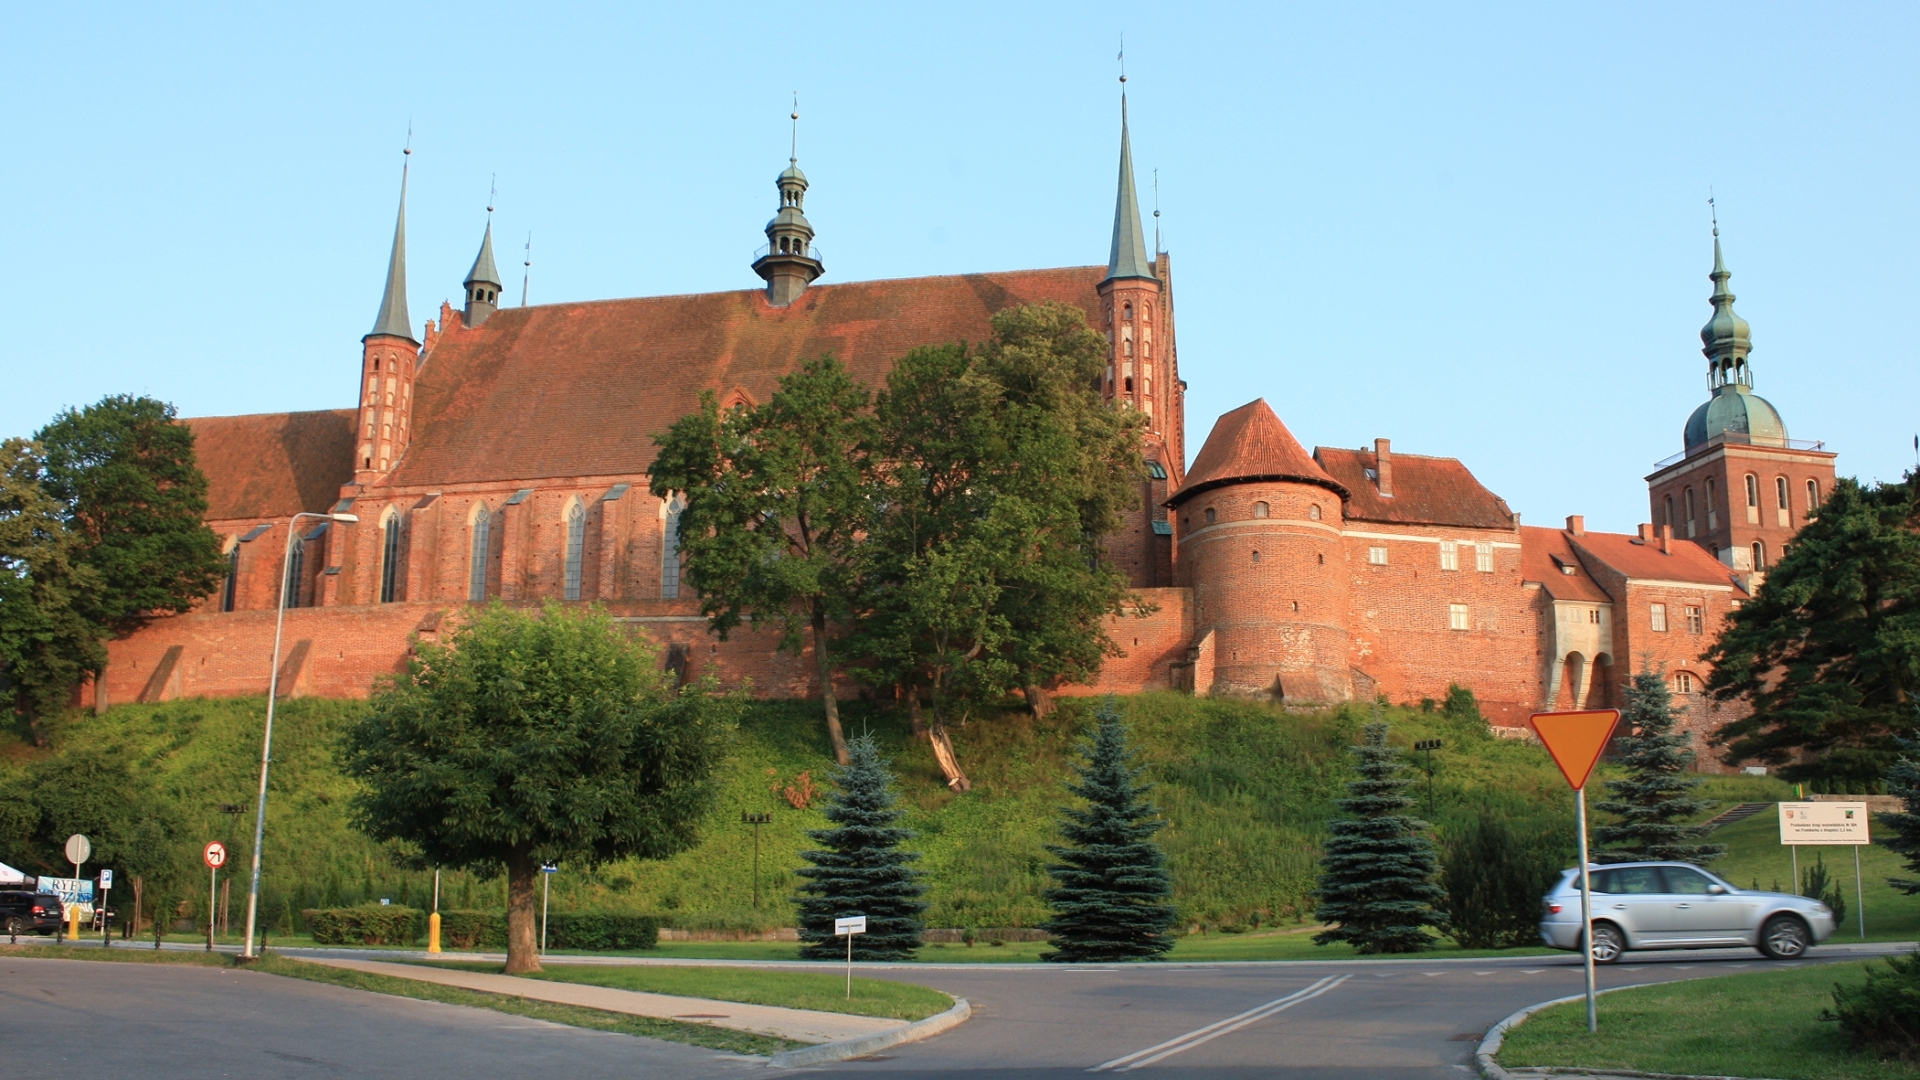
[(1126, 346), (482, 552), (1209, 515), (390, 558), (1658, 618), (1483, 558), (1813, 496), (1759, 555), (1669, 517), (1449, 555), (228, 593), (1256, 556), (1458, 617), (670, 550), (1126, 311), (1260, 509), (296, 567), (1688, 497), (1753, 500), (1313, 512), (576, 546), (1713, 506), (1783, 513)]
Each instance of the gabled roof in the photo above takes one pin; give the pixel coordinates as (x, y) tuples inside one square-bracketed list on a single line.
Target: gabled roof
[(1545, 557), (1634, 559), (1426, 491), (581, 389), (272, 465), (1250, 443)]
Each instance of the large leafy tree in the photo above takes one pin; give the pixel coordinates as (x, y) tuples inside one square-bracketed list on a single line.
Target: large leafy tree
[(132, 493), (1378, 866), (777, 502), (1111, 893), (1655, 802), (1900, 832), (1001, 471), (536, 737), (47, 646), (861, 868), (1828, 653), (133, 825)]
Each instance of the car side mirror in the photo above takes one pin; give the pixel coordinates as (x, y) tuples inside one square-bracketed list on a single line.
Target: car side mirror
[(1716, 890)]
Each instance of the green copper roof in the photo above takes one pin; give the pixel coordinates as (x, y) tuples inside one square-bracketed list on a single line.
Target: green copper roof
[(392, 320), (1737, 411), (483, 269), (1129, 257), (1727, 337)]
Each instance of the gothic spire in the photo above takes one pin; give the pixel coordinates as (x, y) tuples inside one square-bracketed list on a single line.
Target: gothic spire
[(483, 281), (1128, 258), (392, 320), (1726, 338)]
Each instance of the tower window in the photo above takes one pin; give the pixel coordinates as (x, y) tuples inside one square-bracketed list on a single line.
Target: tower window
[(1753, 500), (1483, 558), (1759, 555), (1813, 496), (1313, 512), (1322, 556), (1209, 515), (1682, 682), (1696, 624), (1256, 556), (1126, 311), (576, 547), (1713, 506), (1783, 513), (1458, 617), (1658, 616), (1449, 555), (1668, 522), (1259, 509), (1687, 497)]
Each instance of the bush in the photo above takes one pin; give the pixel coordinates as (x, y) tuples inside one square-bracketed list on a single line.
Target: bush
[(1883, 1015), (1495, 877), (590, 932), (368, 924)]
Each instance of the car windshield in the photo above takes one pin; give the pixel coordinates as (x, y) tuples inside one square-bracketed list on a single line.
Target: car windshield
[(1628, 880), (1681, 879)]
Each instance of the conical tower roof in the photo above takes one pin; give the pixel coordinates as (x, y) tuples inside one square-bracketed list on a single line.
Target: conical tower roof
[(392, 320), (1250, 443), (1129, 257), (483, 270)]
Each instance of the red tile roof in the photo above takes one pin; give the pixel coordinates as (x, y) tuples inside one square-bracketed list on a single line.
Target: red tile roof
[(1250, 443), (1630, 557), (272, 465), (1426, 491), (581, 389), (1544, 556)]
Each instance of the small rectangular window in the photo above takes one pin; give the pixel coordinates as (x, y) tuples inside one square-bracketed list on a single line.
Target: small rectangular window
[(1682, 683), (1377, 555), (1483, 558), (1696, 623), (1660, 618), (1449, 555), (1458, 617)]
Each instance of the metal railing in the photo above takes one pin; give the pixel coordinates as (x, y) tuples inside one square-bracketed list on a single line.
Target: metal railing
[(812, 252), (1735, 439)]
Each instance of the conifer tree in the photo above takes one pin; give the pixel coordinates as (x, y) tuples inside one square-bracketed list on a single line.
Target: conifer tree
[(1111, 886), (1655, 799), (863, 870), (1900, 833), (1377, 871)]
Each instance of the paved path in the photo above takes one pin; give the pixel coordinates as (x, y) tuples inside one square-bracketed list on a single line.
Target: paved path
[(800, 1025)]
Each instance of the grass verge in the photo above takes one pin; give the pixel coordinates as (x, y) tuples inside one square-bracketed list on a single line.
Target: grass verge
[(714, 1038), (820, 991), (1761, 1024)]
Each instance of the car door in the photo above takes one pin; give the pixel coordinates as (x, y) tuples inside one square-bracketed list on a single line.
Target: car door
[(1701, 915), (1636, 899)]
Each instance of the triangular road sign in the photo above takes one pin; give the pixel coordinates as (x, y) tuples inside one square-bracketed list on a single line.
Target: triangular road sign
[(1576, 739)]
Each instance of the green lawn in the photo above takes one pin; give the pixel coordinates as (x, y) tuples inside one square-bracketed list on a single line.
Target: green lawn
[(1760, 1024), (1755, 857), (822, 991)]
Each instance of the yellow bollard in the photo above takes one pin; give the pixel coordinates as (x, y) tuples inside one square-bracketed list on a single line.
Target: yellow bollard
[(73, 922), (433, 932)]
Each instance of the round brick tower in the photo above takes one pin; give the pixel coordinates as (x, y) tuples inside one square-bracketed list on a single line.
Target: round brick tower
[(1258, 523)]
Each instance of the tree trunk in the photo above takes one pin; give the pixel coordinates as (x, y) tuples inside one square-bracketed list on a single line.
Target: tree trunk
[(914, 718), (1039, 702), (826, 684), (523, 934), (949, 762)]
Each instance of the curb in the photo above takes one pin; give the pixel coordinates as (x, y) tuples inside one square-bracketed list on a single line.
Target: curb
[(867, 1044), (1493, 1070)]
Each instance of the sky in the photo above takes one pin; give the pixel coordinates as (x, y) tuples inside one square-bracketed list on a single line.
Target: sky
[(1481, 233)]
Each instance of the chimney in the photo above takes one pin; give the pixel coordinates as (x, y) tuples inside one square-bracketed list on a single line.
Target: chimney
[(1383, 466), (1646, 533), (1577, 524), (1666, 539)]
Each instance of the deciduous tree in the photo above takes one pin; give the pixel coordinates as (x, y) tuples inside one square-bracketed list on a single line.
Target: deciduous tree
[(47, 645), (532, 738)]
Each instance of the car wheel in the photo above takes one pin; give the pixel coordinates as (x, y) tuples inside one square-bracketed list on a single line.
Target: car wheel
[(1609, 944), (1784, 938), (15, 926)]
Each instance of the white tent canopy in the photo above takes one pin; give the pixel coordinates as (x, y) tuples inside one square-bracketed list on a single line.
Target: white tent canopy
[(10, 876)]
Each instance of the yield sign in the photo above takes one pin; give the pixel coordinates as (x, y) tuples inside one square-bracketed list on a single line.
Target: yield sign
[(1576, 739)]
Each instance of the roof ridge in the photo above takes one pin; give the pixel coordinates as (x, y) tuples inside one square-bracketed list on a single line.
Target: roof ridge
[(816, 288)]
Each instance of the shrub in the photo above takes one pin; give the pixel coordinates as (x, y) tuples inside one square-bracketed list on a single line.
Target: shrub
[(1883, 1015), (589, 931), (368, 924), (473, 929), (1818, 883), (1495, 877)]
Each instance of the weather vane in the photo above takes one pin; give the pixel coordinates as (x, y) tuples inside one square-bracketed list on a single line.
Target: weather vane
[(793, 153)]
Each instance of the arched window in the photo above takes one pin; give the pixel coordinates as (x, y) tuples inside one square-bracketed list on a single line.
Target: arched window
[(576, 546), (1259, 509), (1759, 555), (1783, 510), (1813, 496), (1713, 506), (1256, 556), (1313, 512), (1687, 499), (1753, 499), (232, 588), (670, 549), (389, 557), (1126, 311), (481, 553), (296, 568), (1669, 518), (1209, 515)]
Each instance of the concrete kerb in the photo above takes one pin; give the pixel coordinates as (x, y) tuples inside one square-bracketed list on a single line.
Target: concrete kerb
[(1490, 1046), (870, 1044)]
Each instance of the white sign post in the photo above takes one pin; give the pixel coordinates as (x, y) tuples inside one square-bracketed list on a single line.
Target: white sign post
[(547, 870), (79, 850), (847, 927), (215, 856), (1828, 824)]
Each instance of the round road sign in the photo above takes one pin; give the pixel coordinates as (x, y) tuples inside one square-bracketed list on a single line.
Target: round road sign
[(215, 855), (79, 848)]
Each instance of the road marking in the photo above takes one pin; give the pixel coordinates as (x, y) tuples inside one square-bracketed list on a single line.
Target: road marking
[(1431, 974), (1484, 973), (1533, 971), (1218, 1028)]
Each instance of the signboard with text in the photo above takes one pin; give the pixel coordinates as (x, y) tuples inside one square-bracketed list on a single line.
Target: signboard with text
[(1807, 823), (853, 924)]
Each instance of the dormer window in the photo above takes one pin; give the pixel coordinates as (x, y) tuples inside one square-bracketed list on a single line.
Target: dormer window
[(1373, 474)]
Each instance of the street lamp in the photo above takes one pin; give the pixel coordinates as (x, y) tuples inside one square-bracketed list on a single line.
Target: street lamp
[(266, 742), (1429, 745)]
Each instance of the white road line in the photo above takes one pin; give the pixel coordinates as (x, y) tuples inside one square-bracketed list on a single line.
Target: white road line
[(1218, 1028)]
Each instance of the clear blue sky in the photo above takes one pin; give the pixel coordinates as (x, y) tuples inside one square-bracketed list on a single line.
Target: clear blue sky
[(1479, 233)]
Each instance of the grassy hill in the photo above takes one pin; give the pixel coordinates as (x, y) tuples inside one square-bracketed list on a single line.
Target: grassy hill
[(1246, 789)]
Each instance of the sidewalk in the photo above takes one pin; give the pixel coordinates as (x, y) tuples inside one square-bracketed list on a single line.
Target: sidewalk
[(800, 1025)]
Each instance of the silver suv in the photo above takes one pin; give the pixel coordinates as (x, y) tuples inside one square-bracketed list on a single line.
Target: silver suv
[(1680, 906)]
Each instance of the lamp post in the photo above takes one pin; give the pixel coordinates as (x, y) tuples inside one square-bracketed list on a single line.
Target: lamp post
[(266, 742), (756, 820), (1429, 745)]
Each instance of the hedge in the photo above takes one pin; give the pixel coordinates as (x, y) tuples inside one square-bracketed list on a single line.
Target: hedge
[(591, 932), (368, 924)]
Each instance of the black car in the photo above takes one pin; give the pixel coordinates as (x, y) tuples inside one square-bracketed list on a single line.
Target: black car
[(23, 912)]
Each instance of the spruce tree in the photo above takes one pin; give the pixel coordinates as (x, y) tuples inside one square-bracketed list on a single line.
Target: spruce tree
[(1900, 833), (862, 870), (1377, 871), (1111, 885), (1655, 799)]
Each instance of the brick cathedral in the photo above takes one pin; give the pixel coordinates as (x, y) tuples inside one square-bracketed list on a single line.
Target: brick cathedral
[(502, 452)]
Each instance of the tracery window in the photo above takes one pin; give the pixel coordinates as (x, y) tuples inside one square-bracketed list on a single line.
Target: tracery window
[(670, 549), (576, 546), (390, 558), (482, 553)]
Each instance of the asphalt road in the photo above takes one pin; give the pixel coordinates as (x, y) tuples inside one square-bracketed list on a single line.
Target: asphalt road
[(1375, 1019)]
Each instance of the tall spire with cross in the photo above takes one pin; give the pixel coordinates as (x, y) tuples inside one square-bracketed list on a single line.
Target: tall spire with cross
[(392, 319), (1128, 256)]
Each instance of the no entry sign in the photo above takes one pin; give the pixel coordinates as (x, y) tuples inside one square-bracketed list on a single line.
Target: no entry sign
[(215, 855)]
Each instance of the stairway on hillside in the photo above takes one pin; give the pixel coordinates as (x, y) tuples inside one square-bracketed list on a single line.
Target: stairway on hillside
[(1739, 813)]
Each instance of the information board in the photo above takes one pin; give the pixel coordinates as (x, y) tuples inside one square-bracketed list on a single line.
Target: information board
[(1809, 823)]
